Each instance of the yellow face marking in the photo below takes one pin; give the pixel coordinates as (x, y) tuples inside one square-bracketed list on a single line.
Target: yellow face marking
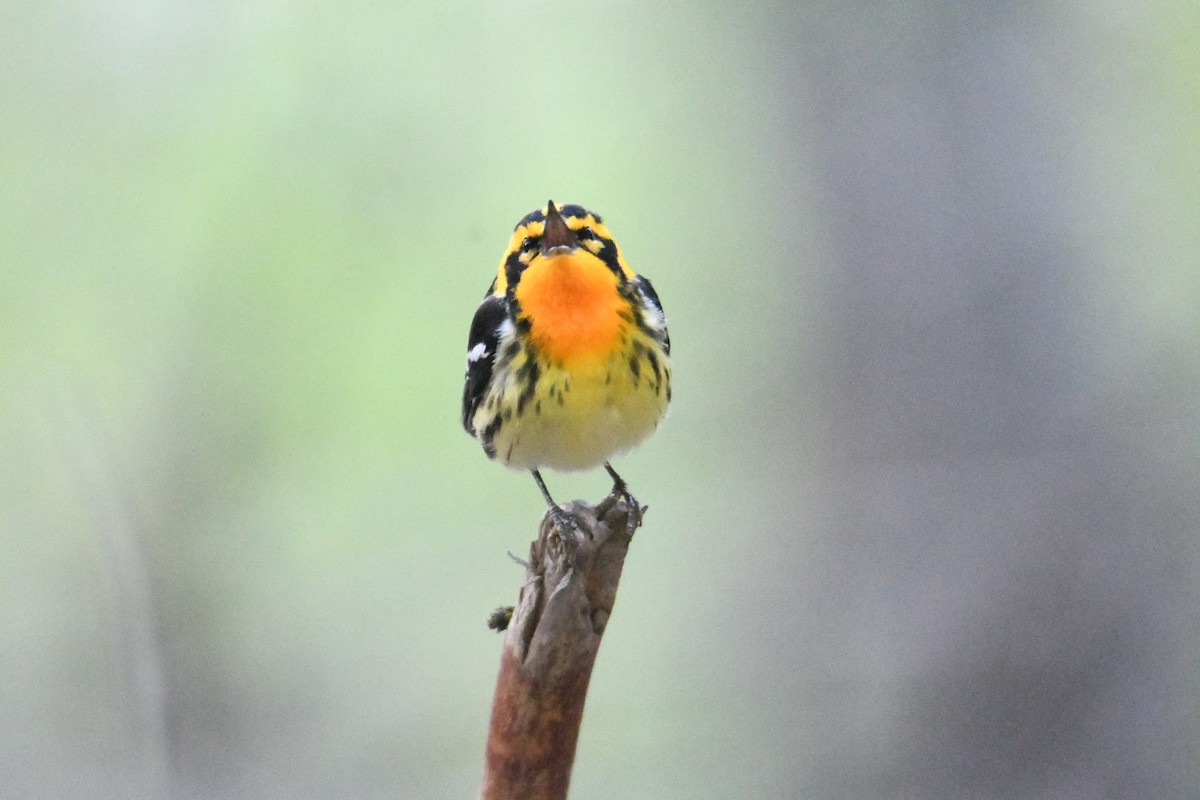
[(536, 228), (572, 304)]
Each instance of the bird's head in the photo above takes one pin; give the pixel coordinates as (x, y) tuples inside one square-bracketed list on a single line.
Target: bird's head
[(570, 233)]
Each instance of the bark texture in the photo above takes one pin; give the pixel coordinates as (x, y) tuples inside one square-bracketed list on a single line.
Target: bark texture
[(549, 649)]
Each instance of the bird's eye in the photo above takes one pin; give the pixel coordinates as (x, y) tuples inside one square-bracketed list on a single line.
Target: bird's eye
[(526, 243)]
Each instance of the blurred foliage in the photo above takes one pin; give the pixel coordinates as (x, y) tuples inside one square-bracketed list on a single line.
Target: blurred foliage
[(245, 547)]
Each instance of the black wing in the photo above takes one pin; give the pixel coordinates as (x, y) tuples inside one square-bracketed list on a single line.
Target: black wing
[(647, 290), (482, 344)]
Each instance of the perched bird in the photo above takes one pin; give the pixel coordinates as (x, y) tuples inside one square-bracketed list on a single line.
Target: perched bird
[(567, 354)]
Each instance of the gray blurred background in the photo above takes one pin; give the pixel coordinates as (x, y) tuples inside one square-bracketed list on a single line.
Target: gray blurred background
[(924, 515)]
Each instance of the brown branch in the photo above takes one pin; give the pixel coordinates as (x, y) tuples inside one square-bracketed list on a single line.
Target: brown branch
[(549, 649)]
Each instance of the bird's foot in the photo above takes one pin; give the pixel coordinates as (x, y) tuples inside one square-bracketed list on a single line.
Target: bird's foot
[(620, 491)]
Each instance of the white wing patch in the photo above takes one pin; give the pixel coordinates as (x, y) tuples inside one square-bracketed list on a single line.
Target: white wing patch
[(477, 352)]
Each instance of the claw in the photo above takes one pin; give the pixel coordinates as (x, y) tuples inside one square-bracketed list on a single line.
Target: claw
[(562, 520), (621, 489)]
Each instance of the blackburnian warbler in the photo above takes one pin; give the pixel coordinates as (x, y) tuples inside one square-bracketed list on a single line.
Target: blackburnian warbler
[(567, 354)]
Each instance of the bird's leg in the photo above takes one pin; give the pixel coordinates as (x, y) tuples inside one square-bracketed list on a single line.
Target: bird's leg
[(562, 520), (621, 489)]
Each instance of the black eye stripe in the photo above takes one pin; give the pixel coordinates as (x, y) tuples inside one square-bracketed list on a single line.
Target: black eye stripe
[(531, 242), (587, 221)]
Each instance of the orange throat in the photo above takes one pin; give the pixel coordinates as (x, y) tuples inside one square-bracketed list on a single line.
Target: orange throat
[(573, 306)]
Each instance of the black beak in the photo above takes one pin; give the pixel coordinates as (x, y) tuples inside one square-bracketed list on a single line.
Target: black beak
[(557, 237)]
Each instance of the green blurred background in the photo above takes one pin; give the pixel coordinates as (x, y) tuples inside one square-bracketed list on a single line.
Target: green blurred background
[(924, 514)]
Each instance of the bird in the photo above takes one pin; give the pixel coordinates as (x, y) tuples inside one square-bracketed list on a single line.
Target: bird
[(568, 353)]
